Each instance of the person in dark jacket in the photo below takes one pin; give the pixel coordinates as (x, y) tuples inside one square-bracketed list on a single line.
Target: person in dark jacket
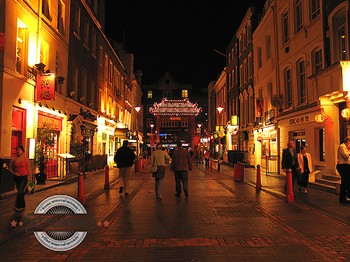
[(180, 164), (124, 158), (290, 160)]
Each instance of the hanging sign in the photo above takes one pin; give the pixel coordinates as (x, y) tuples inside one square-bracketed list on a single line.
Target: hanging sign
[(45, 87)]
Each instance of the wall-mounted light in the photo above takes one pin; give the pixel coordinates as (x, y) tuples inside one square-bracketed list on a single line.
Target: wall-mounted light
[(71, 93), (320, 118), (81, 99), (40, 66), (60, 80), (345, 113)]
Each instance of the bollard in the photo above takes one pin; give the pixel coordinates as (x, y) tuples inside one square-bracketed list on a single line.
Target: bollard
[(258, 178), (210, 163), (81, 196), (289, 179), (219, 165), (106, 187)]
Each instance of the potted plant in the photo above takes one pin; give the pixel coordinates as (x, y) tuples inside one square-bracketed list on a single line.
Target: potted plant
[(45, 139)]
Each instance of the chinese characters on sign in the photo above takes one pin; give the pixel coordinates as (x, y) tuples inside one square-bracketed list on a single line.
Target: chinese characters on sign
[(298, 120), (45, 87)]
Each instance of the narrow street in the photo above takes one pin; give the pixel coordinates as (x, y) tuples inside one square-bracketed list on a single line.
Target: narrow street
[(222, 220)]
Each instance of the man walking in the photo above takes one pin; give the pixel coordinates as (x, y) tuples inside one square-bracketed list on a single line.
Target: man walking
[(181, 163), (290, 160), (124, 158)]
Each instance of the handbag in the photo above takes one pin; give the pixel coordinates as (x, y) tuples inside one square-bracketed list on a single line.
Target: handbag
[(153, 167)]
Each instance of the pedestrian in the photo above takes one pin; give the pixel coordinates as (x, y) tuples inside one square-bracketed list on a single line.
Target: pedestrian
[(207, 158), (124, 158), (181, 163), (158, 159), (343, 168), (20, 168), (305, 164), (290, 161)]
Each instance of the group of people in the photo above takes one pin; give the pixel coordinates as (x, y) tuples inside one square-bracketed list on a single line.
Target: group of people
[(300, 165), (180, 164)]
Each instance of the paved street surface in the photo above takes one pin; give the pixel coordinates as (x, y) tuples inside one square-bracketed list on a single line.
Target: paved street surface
[(222, 220)]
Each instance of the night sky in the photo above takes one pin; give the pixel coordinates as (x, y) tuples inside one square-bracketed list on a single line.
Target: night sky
[(176, 36)]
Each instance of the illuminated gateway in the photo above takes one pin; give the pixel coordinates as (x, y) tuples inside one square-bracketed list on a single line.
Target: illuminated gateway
[(175, 120)]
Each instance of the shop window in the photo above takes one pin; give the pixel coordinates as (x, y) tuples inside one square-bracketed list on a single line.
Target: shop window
[(184, 93), (149, 94)]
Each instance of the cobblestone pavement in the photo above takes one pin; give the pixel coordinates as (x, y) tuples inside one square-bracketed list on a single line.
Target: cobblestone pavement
[(222, 220)]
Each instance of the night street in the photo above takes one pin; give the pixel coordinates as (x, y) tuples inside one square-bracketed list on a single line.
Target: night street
[(222, 220)]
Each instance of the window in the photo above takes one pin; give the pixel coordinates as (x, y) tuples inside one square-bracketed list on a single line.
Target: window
[(73, 93), (44, 52), (60, 17), (100, 57), (298, 15), (285, 27), (316, 60), (167, 93), (184, 122), (93, 40), (338, 25), (86, 33), (76, 19), (301, 81), (268, 47), (270, 90), (288, 88), (149, 94), (321, 143), (315, 8), (45, 9), (21, 47), (184, 93), (259, 57)]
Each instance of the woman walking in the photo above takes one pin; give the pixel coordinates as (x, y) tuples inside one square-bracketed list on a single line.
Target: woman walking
[(158, 159), (305, 164), (19, 166)]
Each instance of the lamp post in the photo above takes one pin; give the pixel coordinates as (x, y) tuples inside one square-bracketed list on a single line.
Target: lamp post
[(137, 162), (152, 141), (220, 109)]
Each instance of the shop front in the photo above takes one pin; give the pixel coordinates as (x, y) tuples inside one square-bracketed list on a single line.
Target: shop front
[(266, 149), (53, 125), (106, 139)]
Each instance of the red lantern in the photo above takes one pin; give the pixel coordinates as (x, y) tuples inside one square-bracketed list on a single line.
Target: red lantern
[(319, 118)]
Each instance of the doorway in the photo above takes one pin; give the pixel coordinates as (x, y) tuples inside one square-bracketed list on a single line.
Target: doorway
[(299, 139)]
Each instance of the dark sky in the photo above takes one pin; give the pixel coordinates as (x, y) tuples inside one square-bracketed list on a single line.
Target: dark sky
[(176, 36)]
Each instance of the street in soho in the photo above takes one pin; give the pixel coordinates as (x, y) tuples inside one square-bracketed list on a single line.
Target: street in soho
[(221, 220)]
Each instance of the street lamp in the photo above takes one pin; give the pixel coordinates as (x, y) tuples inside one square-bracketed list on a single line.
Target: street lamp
[(137, 167), (152, 141), (220, 109)]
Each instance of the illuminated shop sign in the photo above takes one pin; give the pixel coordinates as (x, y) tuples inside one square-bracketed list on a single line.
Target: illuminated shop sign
[(45, 87)]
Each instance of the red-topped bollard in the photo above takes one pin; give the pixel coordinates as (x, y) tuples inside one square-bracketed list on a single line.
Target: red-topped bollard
[(258, 178), (81, 196), (289, 179), (106, 187)]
